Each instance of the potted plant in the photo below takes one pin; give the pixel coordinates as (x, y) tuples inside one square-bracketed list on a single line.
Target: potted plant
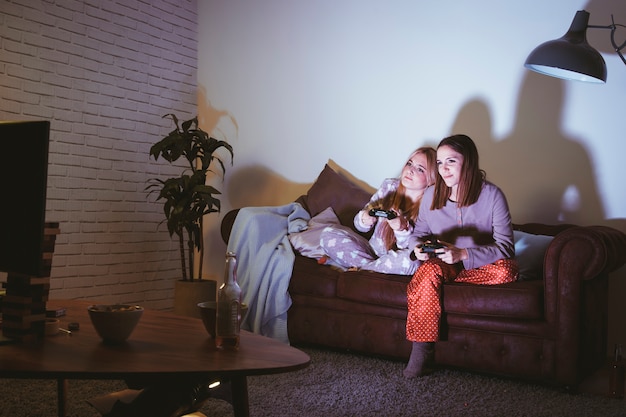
[(187, 198)]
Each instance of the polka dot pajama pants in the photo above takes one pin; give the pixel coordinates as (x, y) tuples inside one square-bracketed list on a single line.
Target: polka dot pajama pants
[(424, 292)]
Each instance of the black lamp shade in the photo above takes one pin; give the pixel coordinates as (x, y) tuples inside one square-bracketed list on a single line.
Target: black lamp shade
[(569, 57)]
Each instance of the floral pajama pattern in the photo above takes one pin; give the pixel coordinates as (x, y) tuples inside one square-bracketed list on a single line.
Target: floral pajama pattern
[(347, 249), (424, 292)]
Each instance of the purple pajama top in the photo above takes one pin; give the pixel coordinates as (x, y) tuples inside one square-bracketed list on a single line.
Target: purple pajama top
[(484, 228)]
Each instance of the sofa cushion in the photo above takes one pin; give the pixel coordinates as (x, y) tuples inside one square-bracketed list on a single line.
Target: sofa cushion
[(310, 279), (530, 252), (331, 189), (518, 300), (373, 288)]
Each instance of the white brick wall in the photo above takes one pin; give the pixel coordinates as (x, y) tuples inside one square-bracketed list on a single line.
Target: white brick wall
[(103, 72)]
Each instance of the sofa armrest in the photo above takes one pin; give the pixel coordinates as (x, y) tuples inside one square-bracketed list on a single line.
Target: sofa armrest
[(576, 268), (585, 253), (227, 224), (574, 256)]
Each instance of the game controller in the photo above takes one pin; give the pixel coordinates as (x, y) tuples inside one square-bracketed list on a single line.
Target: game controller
[(431, 247), (388, 214)]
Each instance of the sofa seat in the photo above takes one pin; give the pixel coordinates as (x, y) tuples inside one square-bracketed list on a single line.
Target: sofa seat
[(518, 300), (522, 300), (331, 296), (343, 291)]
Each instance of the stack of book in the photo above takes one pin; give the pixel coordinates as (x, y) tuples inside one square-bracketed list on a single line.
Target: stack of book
[(24, 302)]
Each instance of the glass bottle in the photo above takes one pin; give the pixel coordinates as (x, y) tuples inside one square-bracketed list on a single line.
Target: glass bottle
[(616, 382), (228, 307)]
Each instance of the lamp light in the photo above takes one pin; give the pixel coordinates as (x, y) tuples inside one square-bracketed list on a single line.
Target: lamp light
[(571, 57)]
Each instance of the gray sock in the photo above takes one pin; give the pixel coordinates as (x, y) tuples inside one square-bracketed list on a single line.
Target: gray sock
[(419, 354)]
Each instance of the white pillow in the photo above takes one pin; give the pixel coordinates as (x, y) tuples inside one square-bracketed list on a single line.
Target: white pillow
[(530, 251), (307, 242)]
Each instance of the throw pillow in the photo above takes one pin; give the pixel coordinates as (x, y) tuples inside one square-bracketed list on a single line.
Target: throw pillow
[(530, 251), (307, 242), (332, 189)]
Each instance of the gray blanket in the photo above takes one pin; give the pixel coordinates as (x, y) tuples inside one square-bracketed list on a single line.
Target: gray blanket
[(264, 264)]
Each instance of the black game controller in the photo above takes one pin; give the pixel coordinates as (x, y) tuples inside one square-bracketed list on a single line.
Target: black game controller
[(388, 214), (431, 247)]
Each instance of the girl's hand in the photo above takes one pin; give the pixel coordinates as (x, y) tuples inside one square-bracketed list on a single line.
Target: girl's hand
[(451, 254), (398, 223), (421, 256), (367, 220)]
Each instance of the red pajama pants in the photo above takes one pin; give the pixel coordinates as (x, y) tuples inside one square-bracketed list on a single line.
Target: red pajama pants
[(424, 292)]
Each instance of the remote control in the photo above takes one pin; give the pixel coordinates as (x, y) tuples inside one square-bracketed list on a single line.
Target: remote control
[(431, 247), (388, 214)]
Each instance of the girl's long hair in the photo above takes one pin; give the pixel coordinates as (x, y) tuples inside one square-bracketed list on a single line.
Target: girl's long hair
[(399, 201), (472, 177)]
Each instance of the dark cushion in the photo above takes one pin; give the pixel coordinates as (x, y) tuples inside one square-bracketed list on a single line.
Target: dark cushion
[(373, 288), (518, 300), (310, 279), (332, 189)]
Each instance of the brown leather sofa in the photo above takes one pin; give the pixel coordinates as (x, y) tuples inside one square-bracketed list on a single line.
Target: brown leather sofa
[(552, 329)]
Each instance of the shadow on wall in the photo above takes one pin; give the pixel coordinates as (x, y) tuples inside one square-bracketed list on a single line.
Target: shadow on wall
[(211, 119), (221, 125), (546, 176), (257, 185), (600, 14)]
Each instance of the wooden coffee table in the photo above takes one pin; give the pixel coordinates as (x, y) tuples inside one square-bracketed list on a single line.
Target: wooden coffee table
[(163, 344)]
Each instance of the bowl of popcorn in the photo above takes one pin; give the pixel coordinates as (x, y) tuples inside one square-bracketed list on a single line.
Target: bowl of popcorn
[(114, 323)]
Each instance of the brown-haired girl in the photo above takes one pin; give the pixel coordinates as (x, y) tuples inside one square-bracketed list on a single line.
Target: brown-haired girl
[(470, 218)]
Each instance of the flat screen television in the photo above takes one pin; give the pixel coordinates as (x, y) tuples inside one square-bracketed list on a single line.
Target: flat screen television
[(24, 180)]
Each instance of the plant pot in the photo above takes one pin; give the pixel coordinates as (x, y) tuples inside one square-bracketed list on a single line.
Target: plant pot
[(187, 295)]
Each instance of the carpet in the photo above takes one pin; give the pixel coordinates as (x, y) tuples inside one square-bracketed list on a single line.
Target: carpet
[(344, 385)]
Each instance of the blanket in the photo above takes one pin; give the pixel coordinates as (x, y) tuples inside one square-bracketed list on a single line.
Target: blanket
[(259, 238)]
